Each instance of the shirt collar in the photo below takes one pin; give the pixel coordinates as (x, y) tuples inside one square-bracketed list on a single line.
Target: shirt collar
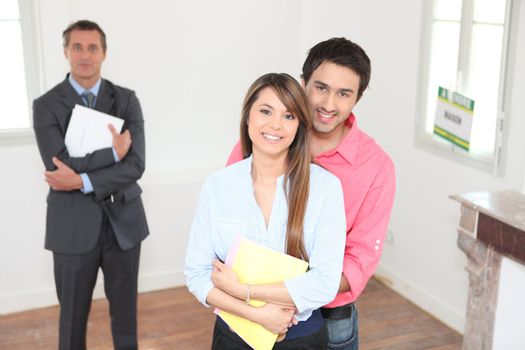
[(348, 147), (80, 90), (248, 170)]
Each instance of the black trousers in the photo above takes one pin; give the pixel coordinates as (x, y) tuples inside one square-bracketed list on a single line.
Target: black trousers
[(75, 277), (225, 339)]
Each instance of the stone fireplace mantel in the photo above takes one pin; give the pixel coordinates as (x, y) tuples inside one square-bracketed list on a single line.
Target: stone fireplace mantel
[(491, 228)]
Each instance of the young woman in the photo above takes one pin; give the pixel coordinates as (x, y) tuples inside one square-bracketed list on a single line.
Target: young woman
[(276, 198)]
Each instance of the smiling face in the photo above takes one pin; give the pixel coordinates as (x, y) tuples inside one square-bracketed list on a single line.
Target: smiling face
[(271, 127), (85, 55), (332, 92)]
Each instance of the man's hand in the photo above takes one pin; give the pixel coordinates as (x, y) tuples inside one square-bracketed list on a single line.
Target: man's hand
[(121, 142), (343, 285), (63, 178), (225, 279)]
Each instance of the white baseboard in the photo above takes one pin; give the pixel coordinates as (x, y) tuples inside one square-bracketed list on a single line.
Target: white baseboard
[(161, 280), (45, 297), (26, 300), (423, 299)]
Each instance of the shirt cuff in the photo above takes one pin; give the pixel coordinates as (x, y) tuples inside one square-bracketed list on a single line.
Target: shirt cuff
[(88, 187), (356, 279), (115, 155), (294, 288), (203, 295)]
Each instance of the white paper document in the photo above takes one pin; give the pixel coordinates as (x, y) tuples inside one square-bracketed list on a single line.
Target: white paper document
[(88, 131)]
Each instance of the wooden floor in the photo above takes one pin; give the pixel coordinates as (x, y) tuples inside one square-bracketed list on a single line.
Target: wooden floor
[(172, 319)]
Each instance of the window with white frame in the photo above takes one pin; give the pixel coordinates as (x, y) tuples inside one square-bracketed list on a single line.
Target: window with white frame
[(19, 82), (466, 51)]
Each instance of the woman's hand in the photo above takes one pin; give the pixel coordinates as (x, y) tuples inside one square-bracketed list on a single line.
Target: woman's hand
[(275, 318), (281, 336), (225, 279)]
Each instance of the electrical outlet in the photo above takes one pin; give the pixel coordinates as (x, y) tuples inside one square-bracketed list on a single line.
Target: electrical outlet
[(389, 237)]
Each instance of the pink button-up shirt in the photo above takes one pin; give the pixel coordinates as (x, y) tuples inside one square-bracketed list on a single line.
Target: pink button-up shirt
[(368, 179)]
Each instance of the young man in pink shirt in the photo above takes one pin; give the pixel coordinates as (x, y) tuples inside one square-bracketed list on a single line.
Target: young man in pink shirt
[(335, 75)]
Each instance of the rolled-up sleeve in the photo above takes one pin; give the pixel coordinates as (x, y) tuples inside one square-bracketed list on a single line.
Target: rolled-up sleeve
[(365, 241), (320, 284), (199, 252)]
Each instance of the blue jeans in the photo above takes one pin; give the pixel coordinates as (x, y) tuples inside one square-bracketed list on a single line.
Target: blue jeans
[(343, 334)]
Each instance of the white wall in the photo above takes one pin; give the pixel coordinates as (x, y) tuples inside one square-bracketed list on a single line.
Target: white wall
[(190, 63)]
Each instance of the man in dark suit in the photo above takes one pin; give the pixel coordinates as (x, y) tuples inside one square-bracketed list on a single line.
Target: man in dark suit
[(95, 215)]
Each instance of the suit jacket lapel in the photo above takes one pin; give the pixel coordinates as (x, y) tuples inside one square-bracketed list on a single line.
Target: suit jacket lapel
[(71, 98), (105, 98), (66, 98)]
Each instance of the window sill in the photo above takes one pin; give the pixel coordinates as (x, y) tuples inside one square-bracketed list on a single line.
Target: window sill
[(447, 150), (17, 137)]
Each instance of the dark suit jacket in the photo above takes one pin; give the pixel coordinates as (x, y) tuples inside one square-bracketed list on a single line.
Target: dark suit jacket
[(74, 219)]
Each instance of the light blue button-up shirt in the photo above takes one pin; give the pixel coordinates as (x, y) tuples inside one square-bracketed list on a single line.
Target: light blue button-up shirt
[(87, 186), (80, 90), (227, 208)]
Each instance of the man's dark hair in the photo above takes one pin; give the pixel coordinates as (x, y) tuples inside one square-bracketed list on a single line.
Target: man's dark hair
[(343, 52), (84, 25)]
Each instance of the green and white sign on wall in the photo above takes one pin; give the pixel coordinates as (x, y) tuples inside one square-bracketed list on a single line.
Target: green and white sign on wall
[(454, 113)]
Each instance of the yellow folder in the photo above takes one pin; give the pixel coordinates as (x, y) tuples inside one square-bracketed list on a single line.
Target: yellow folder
[(256, 264)]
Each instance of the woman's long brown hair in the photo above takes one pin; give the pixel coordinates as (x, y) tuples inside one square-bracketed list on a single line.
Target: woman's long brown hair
[(297, 175)]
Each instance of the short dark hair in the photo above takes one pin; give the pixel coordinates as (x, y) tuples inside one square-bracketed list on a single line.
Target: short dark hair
[(84, 25), (343, 52)]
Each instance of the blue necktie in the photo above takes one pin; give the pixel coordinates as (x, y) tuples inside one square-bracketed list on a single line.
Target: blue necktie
[(89, 97)]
